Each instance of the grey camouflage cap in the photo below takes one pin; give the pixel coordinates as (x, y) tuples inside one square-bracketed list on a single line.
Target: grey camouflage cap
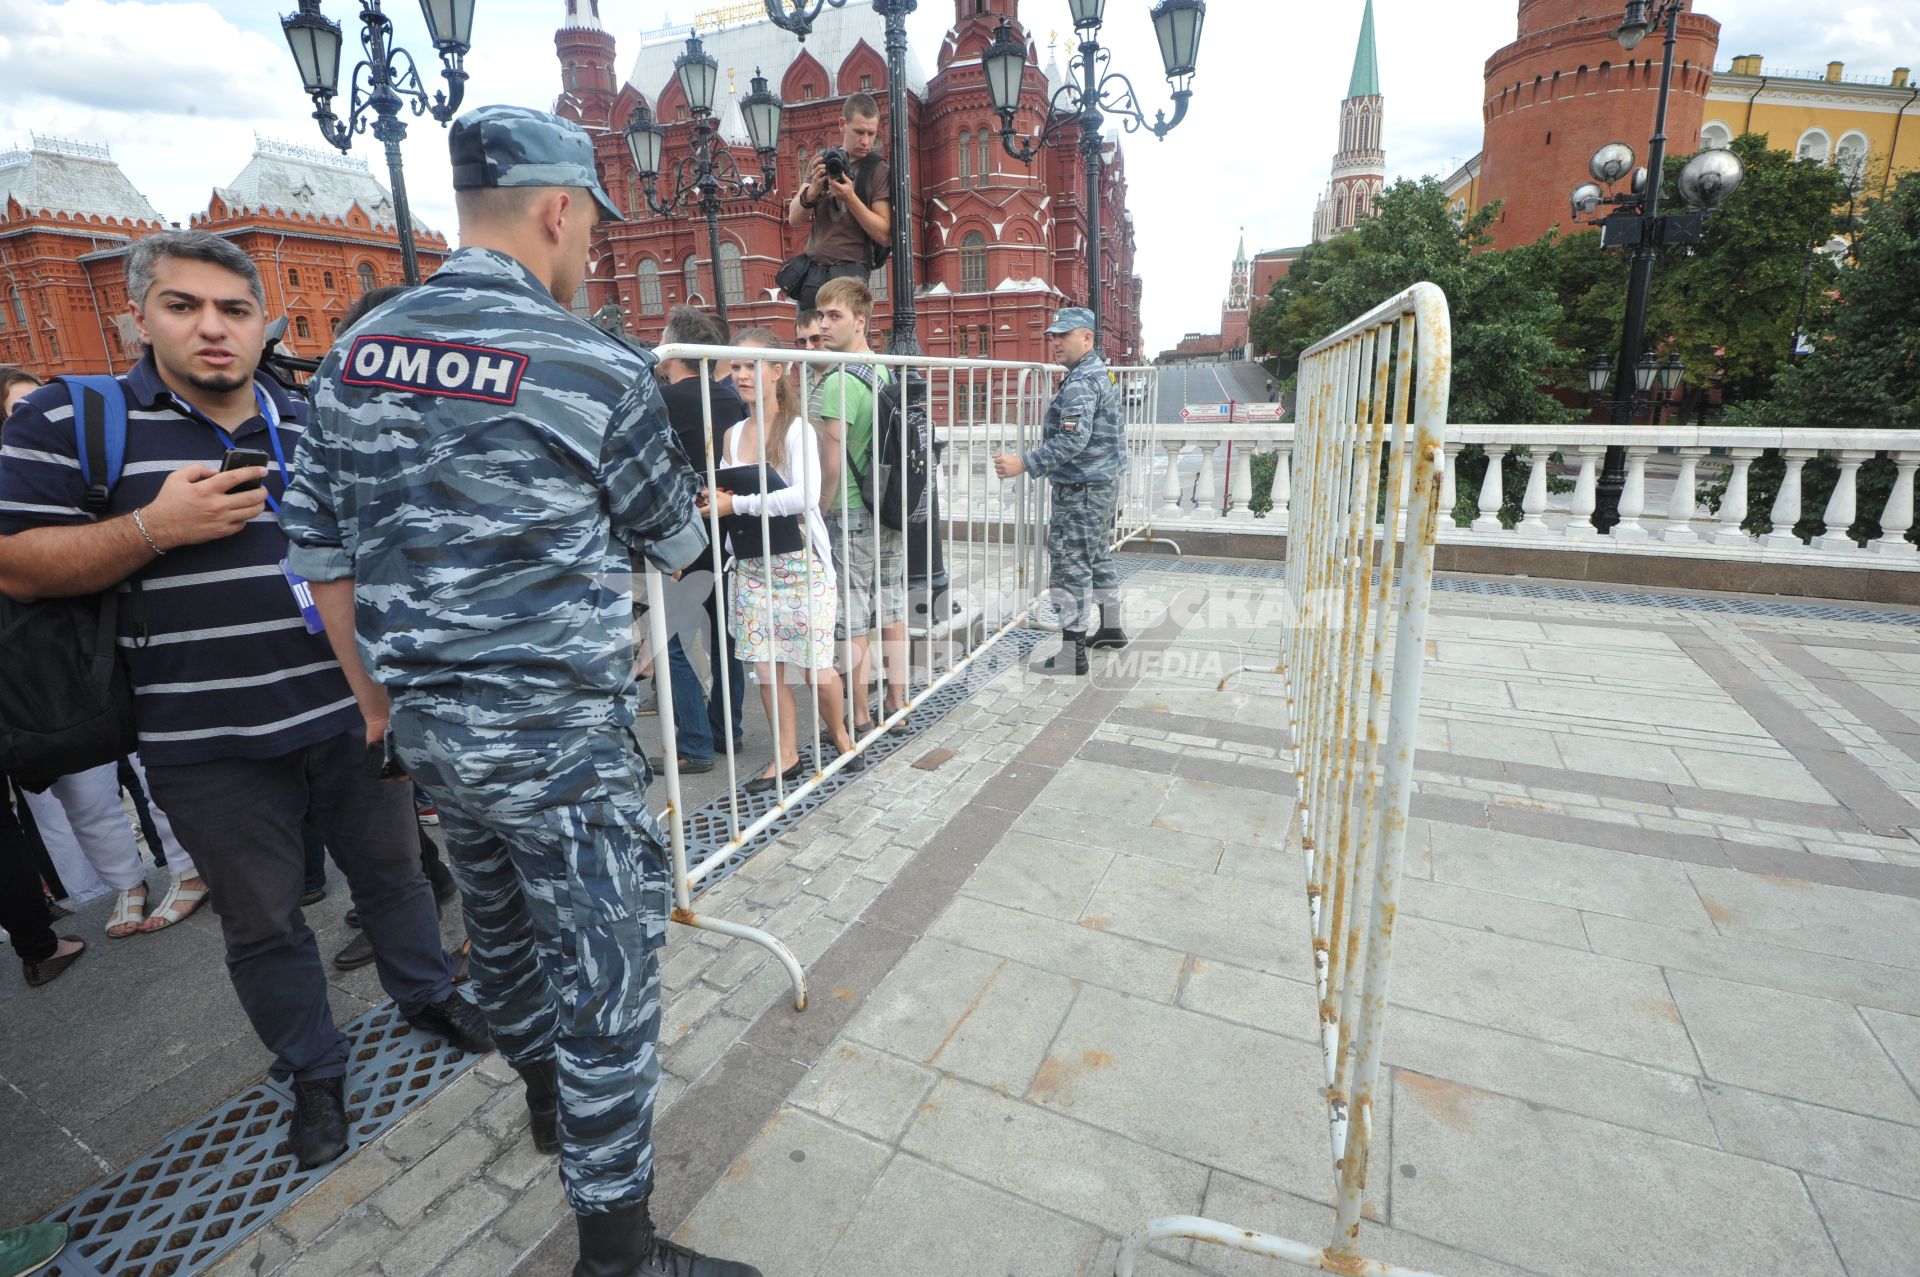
[(518, 146), (1068, 318)]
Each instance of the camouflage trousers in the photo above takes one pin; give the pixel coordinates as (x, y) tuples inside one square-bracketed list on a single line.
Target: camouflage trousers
[(1079, 550), (564, 883)]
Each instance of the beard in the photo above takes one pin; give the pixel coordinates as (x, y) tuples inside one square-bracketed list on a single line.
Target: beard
[(219, 383)]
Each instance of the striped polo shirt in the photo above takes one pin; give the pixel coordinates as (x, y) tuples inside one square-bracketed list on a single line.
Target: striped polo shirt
[(224, 666)]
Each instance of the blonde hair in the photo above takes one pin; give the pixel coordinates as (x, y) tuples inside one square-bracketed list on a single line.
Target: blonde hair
[(846, 291), (786, 400)]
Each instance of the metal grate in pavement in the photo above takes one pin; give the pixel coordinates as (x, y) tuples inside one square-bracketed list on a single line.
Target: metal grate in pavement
[(214, 1181), (210, 1184), (1485, 588)]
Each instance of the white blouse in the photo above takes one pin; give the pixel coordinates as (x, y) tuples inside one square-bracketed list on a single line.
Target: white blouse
[(803, 477)]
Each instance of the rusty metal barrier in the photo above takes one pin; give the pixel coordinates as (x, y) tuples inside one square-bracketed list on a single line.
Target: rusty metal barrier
[(990, 535), (1366, 506)]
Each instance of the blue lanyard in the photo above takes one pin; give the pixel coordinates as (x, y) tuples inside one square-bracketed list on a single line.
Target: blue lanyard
[(271, 412)]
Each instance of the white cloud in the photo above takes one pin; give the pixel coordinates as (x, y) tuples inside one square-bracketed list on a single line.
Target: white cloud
[(179, 88)]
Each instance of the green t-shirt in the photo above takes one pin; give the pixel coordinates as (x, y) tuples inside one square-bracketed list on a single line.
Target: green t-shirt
[(841, 396)]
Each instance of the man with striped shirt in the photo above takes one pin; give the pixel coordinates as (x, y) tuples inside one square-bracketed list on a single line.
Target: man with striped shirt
[(246, 721)]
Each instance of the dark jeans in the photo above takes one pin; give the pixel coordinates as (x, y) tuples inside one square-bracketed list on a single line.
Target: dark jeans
[(692, 721), (736, 672), (23, 902), (240, 819), (438, 875)]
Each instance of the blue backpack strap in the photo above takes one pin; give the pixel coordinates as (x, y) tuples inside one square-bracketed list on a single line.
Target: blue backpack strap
[(99, 434)]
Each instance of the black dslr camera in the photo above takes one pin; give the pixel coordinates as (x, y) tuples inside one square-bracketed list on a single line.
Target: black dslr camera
[(837, 162)]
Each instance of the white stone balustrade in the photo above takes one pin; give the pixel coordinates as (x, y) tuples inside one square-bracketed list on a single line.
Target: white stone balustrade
[(1660, 512)]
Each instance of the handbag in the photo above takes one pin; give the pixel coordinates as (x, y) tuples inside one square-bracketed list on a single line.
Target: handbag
[(792, 276)]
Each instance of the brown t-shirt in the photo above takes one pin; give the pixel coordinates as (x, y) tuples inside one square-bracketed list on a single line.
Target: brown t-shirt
[(837, 235)]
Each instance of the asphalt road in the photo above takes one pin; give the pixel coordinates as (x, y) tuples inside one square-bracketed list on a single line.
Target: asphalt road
[(1183, 384)]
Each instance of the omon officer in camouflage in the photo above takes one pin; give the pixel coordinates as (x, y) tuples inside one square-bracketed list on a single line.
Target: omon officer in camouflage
[(1083, 453), (481, 468)]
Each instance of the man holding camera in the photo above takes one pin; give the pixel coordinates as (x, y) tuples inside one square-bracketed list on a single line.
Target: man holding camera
[(846, 196)]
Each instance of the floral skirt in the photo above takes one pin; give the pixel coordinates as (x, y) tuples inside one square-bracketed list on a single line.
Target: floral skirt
[(775, 613)]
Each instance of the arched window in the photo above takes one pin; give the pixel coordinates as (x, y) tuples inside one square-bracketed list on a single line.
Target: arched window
[(803, 166), (333, 326), (1814, 145), (973, 263), (1715, 136), (877, 284), (966, 158), (368, 280), (690, 278), (326, 280), (732, 287), (300, 326), (985, 166), (1340, 211), (19, 308), (293, 277), (648, 273), (1850, 157)]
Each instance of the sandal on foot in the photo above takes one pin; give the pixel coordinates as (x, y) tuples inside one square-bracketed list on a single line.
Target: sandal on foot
[(176, 906), (129, 911)]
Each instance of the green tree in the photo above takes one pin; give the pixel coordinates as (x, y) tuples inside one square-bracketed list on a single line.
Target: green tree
[(1503, 314)]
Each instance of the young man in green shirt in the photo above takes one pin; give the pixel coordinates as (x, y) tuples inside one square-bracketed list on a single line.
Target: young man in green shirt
[(870, 571)]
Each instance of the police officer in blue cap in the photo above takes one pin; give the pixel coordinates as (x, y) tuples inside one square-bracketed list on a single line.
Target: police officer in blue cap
[(1083, 453), (482, 470)]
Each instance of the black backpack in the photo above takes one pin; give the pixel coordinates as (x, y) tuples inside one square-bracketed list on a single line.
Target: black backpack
[(877, 254), (901, 495), (66, 701)]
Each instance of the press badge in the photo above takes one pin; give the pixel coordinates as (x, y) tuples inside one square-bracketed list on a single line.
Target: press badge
[(303, 597)]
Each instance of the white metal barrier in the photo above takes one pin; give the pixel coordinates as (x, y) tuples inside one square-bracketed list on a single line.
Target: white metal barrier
[(989, 534), (1359, 581)]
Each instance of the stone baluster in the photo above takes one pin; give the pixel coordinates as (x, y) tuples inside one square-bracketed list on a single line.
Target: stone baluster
[(1206, 494), (1449, 489), (1585, 487), (1685, 499), (1282, 494), (1533, 504), (1898, 516), (1844, 505), (1786, 505), (1170, 488), (1240, 485), (1633, 497), (1733, 505), (1491, 491)]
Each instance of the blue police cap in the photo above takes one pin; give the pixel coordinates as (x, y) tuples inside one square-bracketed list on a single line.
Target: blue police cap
[(1068, 318), (518, 146)]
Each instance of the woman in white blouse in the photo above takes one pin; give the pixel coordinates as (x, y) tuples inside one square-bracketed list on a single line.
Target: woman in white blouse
[(781, 607)]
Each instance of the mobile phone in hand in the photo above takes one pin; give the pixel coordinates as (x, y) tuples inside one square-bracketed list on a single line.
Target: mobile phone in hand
[(240, 459)]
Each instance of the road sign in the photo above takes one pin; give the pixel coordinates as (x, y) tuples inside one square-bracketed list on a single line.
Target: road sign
[(1207, 412), (1264, 411)]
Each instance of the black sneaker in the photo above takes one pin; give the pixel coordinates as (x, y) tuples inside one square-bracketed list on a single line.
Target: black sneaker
[(688, 766), (319, 1130), (621, 1243), (458, 1021), (357, 954)]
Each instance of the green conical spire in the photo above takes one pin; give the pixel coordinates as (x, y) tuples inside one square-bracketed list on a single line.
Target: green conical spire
[(1241, 256), (1366, 63)]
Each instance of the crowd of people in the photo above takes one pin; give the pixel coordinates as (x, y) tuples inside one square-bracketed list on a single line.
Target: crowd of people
[(421, 604)]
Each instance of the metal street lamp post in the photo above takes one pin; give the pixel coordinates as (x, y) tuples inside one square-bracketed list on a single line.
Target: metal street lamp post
[(385, 82), (798, 17), (1637, 221), (707, 176), (1092, 93)]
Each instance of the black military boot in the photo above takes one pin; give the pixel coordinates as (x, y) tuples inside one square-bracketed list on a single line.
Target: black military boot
[(543, 1103), (1070, 659), (1109, 635), (621, 1243)]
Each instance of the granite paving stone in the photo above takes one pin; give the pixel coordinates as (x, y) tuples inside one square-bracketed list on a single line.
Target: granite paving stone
[(1249, 923), (1877, 1234), (868, 1090), (1868, 1151), (1590, 878)]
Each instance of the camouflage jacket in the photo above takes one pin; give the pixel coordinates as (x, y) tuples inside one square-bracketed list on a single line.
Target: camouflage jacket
[(482, 463), (1085, 436)]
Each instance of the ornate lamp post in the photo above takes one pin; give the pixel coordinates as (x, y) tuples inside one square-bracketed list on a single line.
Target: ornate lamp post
[(1637, 222), (1091, 93), (384, 82), (798, 17), (708, 175)]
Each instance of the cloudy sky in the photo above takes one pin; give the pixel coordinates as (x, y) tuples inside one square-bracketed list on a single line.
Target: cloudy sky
[(178, 88)]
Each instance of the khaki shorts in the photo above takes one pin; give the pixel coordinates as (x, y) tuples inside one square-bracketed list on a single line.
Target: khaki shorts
[(863, 578)]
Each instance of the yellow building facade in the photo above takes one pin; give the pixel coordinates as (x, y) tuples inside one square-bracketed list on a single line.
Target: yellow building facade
[(1867, 125)]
